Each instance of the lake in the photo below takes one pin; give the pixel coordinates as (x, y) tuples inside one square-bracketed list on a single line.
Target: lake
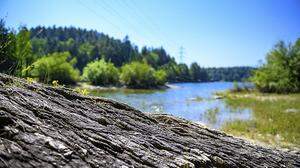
[(191, 101)]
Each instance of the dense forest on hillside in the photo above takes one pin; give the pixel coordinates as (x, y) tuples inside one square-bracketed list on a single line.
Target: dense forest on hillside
[(89, 45), (43, 52)]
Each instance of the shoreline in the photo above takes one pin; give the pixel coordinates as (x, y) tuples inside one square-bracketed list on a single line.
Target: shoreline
[(85, 85)]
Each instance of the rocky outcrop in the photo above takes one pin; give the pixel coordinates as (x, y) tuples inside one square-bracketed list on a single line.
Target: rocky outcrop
[(43, 126)]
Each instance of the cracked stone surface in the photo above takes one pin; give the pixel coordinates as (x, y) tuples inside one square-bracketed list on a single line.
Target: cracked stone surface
[(43, 126)]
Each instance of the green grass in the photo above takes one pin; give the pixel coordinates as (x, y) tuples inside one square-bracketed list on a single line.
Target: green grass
[(275, 121), (211, 115)]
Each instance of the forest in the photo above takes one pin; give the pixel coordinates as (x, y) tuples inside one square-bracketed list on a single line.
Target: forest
[(69, 55)]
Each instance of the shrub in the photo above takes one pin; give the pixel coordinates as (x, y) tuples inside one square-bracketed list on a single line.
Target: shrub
[(160, 77), (101, 73), (138, 75), (55, 67)]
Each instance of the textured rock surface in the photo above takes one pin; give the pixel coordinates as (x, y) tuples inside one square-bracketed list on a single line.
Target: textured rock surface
[(42, 126)]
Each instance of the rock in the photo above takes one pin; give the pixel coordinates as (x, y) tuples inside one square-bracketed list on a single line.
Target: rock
[(42, 126)]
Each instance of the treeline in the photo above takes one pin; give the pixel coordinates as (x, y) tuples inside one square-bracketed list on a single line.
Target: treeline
[(229, 73), (281, 72), (70, 54), (88, 45)]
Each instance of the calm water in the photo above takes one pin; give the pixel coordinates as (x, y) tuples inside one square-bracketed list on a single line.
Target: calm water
[(192, 101)]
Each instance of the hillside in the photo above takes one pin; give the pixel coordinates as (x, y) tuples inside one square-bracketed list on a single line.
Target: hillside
[(43, 126), (75, 49)]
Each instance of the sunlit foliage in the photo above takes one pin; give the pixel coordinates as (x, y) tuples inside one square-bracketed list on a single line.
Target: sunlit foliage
[(281, 72), (101, 73), (55, 66)]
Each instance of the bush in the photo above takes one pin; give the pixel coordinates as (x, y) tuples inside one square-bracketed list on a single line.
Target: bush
[(55, 67), (101, 73), (160, 77), (281, 73), (138, 75)]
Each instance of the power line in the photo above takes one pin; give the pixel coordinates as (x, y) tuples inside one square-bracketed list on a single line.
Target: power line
[(94, 12), (133, 9), (153, 24), (157, 29), (135, 14), (110, 9)]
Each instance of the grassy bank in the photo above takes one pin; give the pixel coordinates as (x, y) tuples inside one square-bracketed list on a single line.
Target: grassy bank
[(275, 121)]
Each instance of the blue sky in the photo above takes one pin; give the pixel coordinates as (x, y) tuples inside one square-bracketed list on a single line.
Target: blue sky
[(212, 32)]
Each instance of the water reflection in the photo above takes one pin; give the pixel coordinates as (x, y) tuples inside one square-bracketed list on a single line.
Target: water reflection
[(192, 101)]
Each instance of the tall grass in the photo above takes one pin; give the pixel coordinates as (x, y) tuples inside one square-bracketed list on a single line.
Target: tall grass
[(276, 118)]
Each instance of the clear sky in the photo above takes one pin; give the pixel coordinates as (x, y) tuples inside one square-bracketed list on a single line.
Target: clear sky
[(212, 32)]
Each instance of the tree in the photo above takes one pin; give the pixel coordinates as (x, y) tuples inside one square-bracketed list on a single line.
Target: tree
[(84, 56), (227, 73), (15, 50), (101, 73), (39, 46), (152, 59), (183, 71), (23, 52), (171, 71), (128, 51), (282, 70), (195, 72), (55, 67), (203, 75), (160, 77), (138, 75), (156, 57), (7, 49), (164, 58), (145, 51)]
